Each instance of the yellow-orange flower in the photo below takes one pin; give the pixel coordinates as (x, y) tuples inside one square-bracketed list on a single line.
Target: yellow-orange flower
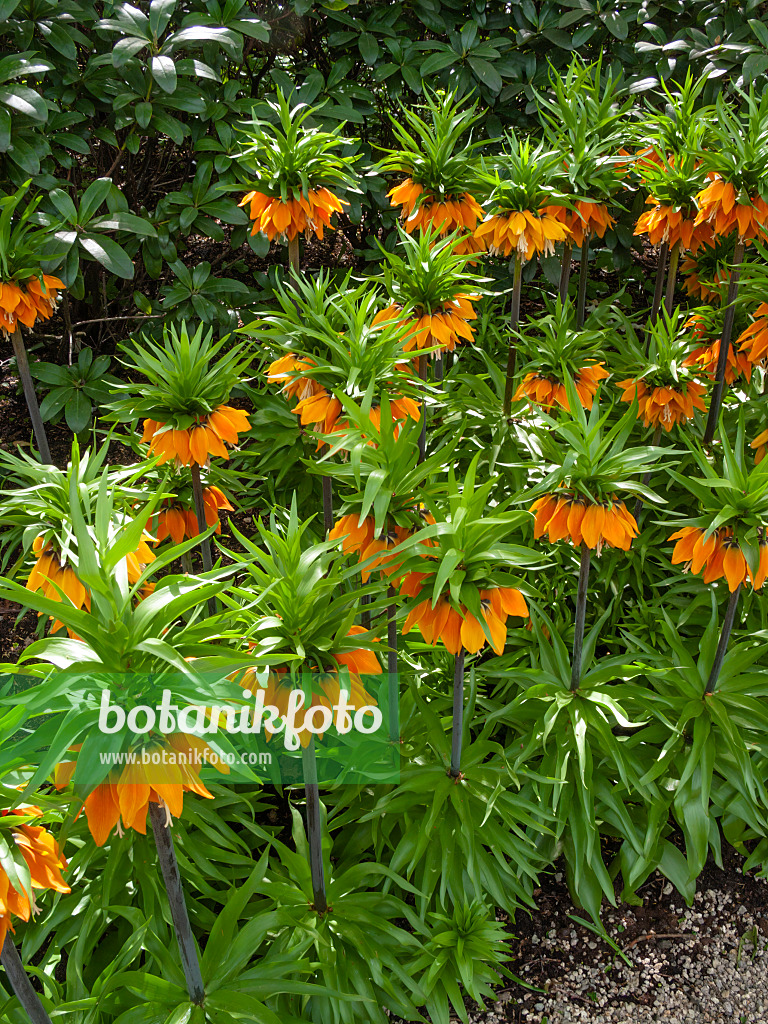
[(357, 535), (390, 537), (719, 208), (27, 302), (289, 370), (664, 406), (760, 443), (522, 232), (177, 521), (444, 328), (326, 687), (208, 436), (696, 288), (422, 209), (667, 224), (547, 392), (718, 555), (49, 572), (753, 342), (706, 358), (124, 799), (458, 628), (588, 218), (41, 853), (573, 518), (308, 214)]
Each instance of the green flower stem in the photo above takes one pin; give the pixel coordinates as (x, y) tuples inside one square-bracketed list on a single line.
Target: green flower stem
[(392, 665), (20, 983), (674, 259), (722, 647), (29, 393), (294, 261), (423, 435), (565, 270), (458, 714), (581, 613), (514, 320), (314, 827), (581, 301), (169, 867), (659, 289), (327, 503), (647, 478), (725, 344), (202, 525)]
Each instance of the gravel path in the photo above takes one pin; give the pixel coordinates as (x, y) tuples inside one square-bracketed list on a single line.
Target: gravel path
[(707, 964)]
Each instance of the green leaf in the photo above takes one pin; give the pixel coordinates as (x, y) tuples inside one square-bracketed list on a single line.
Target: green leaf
[(369, 48), (24, 101), (486, 72), (109, 254), (164, 73), (77, 411), (616, 25), (143, 113)]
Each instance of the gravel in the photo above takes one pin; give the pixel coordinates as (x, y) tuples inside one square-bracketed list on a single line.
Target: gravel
[(704, 964)]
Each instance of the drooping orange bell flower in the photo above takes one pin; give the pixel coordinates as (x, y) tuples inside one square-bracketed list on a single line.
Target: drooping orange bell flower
[(547, 392), (761, 444), (588, 218), (308, 215), (596, 524), (753, 342), (719, 207), (422, 210), (444, 328), (177, 521), (326, 687), (523, 232), (45, 862), (664, 406), (289, 371), (457, 628), (706, 359), (208, 436), (123, 800), (668, 224), (27, 302), (719, 556), (695, 287)]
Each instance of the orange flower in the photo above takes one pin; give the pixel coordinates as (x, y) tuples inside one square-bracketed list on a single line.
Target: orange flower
[(706, 358), (27, 302), (289, 370), (667, 224), (41, 853), (309, 214), (588, 218), (326, 686), (523, 232), (753, 341), (208, 436), (595, 524), (696, 288), (357, 536), (719, 208), (719, 556), (664, 406), (458, 628), (49, 572), (390, 538), (444, 328), (124, 799), (422, 209), (177, 521), (546, 392), (760, 443)]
